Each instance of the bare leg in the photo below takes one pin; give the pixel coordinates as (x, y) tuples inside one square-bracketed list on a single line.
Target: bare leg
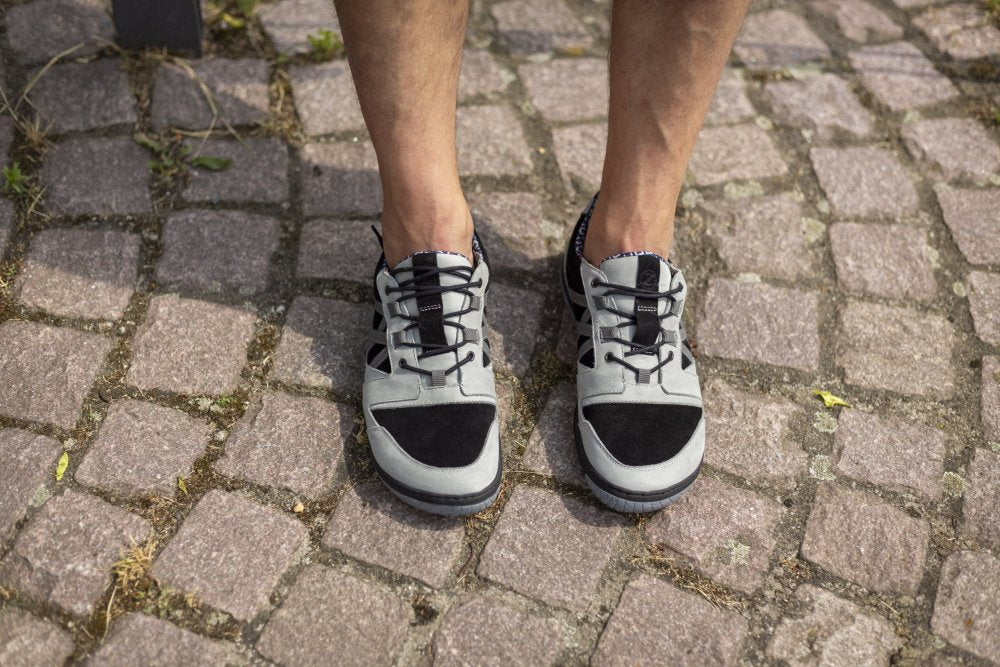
[(666, 59), (405, 57)]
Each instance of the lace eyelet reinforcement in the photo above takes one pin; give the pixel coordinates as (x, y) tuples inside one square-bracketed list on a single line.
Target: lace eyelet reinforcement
[(608, 357), (593, 282)]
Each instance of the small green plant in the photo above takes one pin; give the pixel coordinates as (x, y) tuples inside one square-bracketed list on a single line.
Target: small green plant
[(168, 159), (325, 45), (211, 163), (14, 179)]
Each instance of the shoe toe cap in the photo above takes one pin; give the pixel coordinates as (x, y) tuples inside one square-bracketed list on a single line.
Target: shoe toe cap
[(643, 434)]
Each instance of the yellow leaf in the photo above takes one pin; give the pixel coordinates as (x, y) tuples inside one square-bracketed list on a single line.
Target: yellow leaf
[(299, 508), (62, 465), (181, 485), (829, 400)]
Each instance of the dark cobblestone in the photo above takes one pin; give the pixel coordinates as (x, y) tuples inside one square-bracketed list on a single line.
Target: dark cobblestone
[(290, 442), (900, 76), (635, 634), (962, 30), (320, 345), (85, 273), (760, 323), (6, 223), (190, 346), (290, 22), (238, 89), (53, 369), (315, 86), (778, 38), (64, 555), (74, 187), (513, 229), (339, 250), (512, 337), (846, 528), (897, 349), (551, 450), (30, 462), (340, 179), (550, 547), (396, 537), (100, 94), (258, 172), (44, 28), (213, 251), (860, 21), (231, 552), (538, 25), (143, 448), (331, 617), (580, 152), (730, 103), (490, 142)]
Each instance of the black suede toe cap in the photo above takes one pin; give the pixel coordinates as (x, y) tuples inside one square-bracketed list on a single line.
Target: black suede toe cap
[(444, 436), (643, 434)]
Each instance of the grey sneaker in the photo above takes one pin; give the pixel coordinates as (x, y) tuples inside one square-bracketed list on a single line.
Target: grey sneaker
[(429, 396), (640, 431)]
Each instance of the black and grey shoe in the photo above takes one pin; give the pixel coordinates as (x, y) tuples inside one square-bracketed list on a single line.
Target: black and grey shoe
[(429, 396), (640, 431)]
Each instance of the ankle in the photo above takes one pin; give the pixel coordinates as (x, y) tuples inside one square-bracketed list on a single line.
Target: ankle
[(610, 233), (428, 225)]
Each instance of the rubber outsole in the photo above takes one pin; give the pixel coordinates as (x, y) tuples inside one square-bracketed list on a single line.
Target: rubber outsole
[(445, 505)]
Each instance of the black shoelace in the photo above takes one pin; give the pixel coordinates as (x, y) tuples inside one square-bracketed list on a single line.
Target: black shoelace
[(630, 319), (411, 288)]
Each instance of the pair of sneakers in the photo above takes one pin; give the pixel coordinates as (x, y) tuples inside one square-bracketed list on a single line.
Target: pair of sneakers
[(430, 401)]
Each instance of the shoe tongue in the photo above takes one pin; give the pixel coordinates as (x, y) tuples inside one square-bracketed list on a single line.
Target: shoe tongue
[(645, 271), (431, 308)]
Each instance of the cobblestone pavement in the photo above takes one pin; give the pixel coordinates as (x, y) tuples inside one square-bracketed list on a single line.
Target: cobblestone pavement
[(184, 317)]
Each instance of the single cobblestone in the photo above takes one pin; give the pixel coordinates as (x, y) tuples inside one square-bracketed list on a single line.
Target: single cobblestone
[(190, 347), (982, 499), (315, 86), (53, 369), (38, 30), (984, 302), (512, 336), (396, 537), (778, 38), (550, 547), (969, 215), (138, 639), (143, 448), (490, 142), (6, 223), (990, 400), (85, 273), (831, 631), (28, 641), (953, 148), (339, 250), (962, 30), (636, 633), (864, 182), (891, 452), (580, 152), (332, 618), (823, 104), (238, 89), (231, 552), (513, 230), (730, 103), (290, 442), (735, 152), (767, 236), (486, 632), (726, 533), (860, 21), (734, 418), (760, 323), (846, 529), (257, 172), (74, 187), (900, 76), (883, 260), (99, 91), (212, 251), (532, 26), (897, 349), (965, 611), (65, 554), (340, 179), (29, 462), (322, 344), (289, 23), (480, 75), (568, 89), (551, 450)]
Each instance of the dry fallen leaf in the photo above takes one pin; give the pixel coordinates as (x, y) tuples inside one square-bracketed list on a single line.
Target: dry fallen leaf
[(62, 465), (181, 485), (829, 400), (299, 508)]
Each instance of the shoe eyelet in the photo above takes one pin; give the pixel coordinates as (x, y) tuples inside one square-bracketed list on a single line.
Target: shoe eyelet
[(607, 356), (593, 282)]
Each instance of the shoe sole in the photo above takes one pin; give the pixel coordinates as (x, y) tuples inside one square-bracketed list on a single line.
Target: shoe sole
[(623, 500), (445, 505)]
